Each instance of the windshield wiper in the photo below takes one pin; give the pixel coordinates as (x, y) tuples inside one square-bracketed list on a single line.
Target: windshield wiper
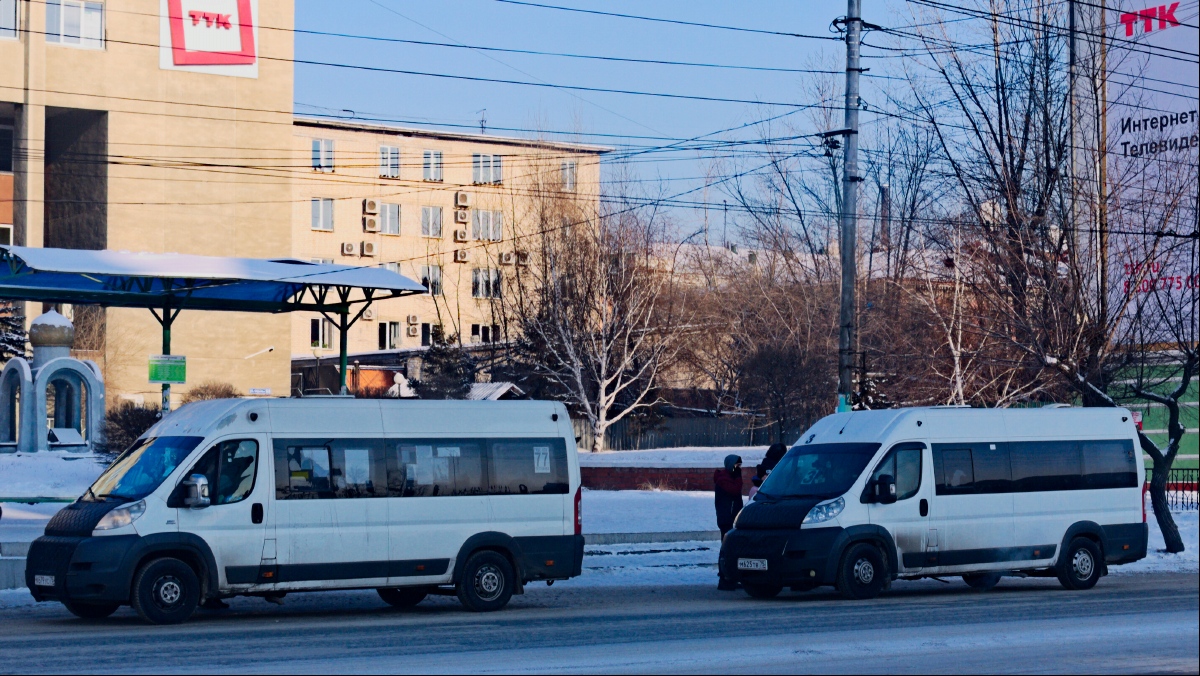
[(114, 495)]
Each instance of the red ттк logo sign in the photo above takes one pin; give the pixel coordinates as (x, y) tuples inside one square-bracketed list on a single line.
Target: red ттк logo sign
[(1163, 15), (213, 33)]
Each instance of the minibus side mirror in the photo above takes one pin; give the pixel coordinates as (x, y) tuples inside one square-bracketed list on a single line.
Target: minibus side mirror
[(195, 492), (885, 489)]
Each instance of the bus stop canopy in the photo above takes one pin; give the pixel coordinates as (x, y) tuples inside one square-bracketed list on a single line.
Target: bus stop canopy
[(166, 283)]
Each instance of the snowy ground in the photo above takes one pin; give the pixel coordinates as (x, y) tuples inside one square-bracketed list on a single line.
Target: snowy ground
[(47, 475), (709, 458), (647, 511)]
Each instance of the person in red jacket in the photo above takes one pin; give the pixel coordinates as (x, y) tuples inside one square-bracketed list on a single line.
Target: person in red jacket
[(727, 496)]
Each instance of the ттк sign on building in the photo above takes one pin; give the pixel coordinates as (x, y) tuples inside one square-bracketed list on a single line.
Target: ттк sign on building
[(219, 37)]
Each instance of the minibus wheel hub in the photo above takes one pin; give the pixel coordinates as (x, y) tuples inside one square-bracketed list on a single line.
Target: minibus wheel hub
[(864, 572), (169, 592), (488, 582), (1083, 564)]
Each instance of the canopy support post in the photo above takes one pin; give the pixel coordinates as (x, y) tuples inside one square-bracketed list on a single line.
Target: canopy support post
[(343, 332), (165, 321)]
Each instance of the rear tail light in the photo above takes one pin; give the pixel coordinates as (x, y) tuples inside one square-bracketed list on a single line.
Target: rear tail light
[(578, 511)]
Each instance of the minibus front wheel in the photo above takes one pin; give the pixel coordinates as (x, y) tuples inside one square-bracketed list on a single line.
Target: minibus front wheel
[(165, 591), (863, 572)]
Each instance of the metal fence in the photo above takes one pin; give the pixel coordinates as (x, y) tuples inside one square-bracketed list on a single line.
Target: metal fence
[(1181, 488), (628, 435)]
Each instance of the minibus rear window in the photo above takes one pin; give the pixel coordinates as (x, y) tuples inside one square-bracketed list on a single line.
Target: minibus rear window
[(817, 471)]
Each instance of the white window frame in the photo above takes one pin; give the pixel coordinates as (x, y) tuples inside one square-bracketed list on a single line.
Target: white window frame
[(90, 28), (322, 155), (487, 169), (487, 225), (391, 267), (8, 10), (324, 333), (485, 283), (322, 214), (389, 218), (570, 175), (432, 165), (432, 273), (389, 162), (390, 334), (431, 222)]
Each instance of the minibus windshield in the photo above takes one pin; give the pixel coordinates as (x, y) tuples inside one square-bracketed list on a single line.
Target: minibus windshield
[(139, 470), (816, 471)]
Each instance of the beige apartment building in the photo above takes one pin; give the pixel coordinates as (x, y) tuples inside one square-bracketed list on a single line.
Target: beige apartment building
[(167, 126)]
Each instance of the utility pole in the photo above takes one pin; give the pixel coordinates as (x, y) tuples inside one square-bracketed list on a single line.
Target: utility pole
[(850, 180)]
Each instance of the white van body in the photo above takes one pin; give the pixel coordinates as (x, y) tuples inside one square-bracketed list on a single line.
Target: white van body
[(343, 494), (983, 492)]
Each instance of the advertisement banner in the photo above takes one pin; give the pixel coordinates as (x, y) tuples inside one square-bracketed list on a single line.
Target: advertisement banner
[(218, 37)]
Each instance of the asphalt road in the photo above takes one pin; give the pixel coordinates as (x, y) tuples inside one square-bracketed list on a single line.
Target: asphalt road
[(1133, 623)]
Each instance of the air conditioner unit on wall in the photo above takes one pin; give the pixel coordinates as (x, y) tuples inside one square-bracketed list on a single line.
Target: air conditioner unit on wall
[(460, 216), (461, 255), (369, 314), (414, 331), (462, 200), (370, 224), (522, 258), (349, 249), (368, 248), (507, 258), (413, 319), (460, 235), (370, 206)]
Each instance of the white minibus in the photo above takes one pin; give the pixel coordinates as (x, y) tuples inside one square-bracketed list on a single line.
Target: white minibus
[(263, 497), (864, 498)]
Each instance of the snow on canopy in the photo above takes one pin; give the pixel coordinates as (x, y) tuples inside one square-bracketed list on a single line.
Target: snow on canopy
[(155, 280)]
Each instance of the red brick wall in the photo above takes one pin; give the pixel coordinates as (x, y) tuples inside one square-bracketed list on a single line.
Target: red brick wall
[(662, 478)]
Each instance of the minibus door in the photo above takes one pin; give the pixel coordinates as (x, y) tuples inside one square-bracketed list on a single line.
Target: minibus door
[(237, 525), (906, 519)]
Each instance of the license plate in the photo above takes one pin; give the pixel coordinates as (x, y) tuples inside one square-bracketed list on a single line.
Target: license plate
[(752, 564), (43, 580)]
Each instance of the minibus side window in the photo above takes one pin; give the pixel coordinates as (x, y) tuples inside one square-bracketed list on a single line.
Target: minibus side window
[(435, 468), (358, 468), (977, 468), (527, 466), (903, 462), (1046, 466), (958, 472), (1109, 464), (302, 470), (230, 467)]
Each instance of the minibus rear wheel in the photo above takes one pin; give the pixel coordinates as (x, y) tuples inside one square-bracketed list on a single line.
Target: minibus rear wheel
[(487, 582), (863, 573), (1080, 565), (165, 591), (91, 611), (403, 597)]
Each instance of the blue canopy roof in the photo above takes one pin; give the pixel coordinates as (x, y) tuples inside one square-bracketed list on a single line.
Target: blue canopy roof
[(184, 281)]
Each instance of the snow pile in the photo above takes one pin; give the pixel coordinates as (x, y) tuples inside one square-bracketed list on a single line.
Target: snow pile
[(647, 511), (709, 458), (1158, 561), (47, 475)]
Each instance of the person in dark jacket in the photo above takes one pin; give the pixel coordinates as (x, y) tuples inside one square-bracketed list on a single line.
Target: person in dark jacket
[(774, 454), (727, 495), (727, 492)]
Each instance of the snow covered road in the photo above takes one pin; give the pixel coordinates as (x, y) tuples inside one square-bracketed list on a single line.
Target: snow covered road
[(1133, 623)]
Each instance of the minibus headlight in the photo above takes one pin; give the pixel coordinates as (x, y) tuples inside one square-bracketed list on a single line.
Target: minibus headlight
[(825, 511), (122, 516)]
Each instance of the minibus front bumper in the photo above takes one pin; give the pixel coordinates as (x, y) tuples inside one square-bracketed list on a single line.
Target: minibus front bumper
[(80, 568), (794, 557)]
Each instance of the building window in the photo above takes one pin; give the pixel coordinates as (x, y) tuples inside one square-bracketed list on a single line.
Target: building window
[(389, 162), (389, 219), (482, 333), (431, 221), (431, 278), (569, 174), (485, 283), (72, 22), (426, 335), (322, 214), (6, 147), (488, 169), (389, 335), (322, 154), (321, 261), (321, 333), (8, 18), (6, 235), (391, 267), (433, 165), (487, 225)]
